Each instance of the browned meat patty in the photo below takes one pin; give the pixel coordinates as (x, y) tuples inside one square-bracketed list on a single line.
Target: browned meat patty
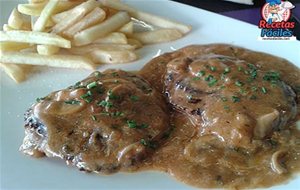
[(226, 91), (229, 98), (107, 122)]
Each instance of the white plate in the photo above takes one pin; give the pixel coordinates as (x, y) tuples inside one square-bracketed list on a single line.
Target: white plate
[(23, 172)]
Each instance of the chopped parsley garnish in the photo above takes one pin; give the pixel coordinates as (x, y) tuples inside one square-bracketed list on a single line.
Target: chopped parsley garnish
[(40, 99), (97, 74), (117, 114), (252, 71), (235, 99), (224, 99), (114, 74), (222, 87), (253, 97), (212, 82), (143, 126), (196, 78), (72, 102), (226, 71), (104, 103), (254, 88), (212, 68), (112, 96), (78, 85), (87, 97), (200, 73), (264, 90), (131, 124), (226, 108), (239, 83), (91, 85), (240, 68), (134, 98), (209, 77), (144, 142), (272, 76), (148, 143)]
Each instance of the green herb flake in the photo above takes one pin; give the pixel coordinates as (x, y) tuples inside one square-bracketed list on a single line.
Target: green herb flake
[(40, 99), (254, 88), (272, 76), (134, 98), (196, 78), (118, 114), (91, 85), (131, 124), (72, 102), (235, 99), (224, 99), (209, 77), (227, 108), (104, 103), (212, 68), (226, 71), (240, 68), (264, 90), (97, 74), (144, 142), (112, 96), (114, 74), (212, 82), (201, 74), (239, 83), (143, 126)]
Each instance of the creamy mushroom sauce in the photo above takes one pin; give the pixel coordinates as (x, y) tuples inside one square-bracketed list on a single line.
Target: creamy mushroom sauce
[(202, 159), (227, 164)]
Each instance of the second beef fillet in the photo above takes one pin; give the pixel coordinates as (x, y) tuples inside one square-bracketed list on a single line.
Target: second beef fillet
[(108, 122), (229, 98)]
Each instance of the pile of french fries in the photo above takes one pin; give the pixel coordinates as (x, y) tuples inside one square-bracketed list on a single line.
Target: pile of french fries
[(78, 34)]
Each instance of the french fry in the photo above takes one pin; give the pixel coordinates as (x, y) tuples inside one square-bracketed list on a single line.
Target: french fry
[(34, 37), (89, 35), (31, 9), (12, 46), (112, 38), (83, 50), (94, 17), (157, 36), (113, 56), (7, 28), (59, 16), (15, 19), (36, 1), (147, 17), (133, 42), (16, 72), (47, 50), (127, 28), (35, 9), (46, 13), (76, 14), (63, 61)]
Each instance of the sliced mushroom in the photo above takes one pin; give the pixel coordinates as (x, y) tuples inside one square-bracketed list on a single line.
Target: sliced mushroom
[(277, 160), (265, 123)]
